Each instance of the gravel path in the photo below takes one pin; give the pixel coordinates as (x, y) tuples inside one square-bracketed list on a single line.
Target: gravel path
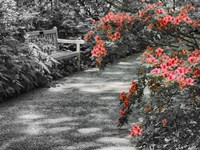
[(77, 113)]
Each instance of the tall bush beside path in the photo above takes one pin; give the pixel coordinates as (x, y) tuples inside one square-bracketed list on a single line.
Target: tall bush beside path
[(169, 73)]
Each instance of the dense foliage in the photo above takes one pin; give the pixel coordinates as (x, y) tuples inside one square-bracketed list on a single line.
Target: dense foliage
[(70, 17), (164, 100), (21, 69), (26, 64)]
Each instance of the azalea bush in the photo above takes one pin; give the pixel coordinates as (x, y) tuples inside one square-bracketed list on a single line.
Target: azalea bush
[(167, 90), (164, 100), (154, 24), (108, 36)]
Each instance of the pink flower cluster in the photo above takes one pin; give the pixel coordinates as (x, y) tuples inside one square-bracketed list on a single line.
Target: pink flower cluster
[(194, 57), (98, 49), (135, 130), (106, 25), (163, 18), (160, 11), (118, 18), (173, 69), (152, 6), (182, 17)]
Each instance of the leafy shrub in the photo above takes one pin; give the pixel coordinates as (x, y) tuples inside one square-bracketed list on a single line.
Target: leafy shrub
[(24, 66), (164, 98), (26, 63), (109, 37), (167, 88)]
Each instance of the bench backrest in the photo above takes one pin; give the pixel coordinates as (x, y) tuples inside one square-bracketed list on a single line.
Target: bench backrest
[(50, 35)]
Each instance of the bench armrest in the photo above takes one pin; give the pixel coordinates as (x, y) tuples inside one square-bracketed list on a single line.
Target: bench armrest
[(71, 41)]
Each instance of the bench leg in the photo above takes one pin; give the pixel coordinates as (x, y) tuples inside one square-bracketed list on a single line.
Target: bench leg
[(79, 56), (79, 62)]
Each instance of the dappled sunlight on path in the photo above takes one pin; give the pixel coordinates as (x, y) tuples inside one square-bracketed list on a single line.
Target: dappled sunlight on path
[(77, 113)]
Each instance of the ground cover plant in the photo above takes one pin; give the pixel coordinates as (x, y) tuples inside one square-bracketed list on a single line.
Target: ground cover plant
[(164, 100)]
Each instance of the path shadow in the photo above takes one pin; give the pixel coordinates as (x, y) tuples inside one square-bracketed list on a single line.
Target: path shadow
[(77, 113)]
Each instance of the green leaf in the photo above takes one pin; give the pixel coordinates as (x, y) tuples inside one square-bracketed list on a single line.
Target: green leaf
[(25, 78), (44, 66)]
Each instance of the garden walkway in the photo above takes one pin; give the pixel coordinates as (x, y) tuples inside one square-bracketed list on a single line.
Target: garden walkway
[(77, 113)]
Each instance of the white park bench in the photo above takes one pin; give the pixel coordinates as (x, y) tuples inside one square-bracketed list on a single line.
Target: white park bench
[(59, 54)]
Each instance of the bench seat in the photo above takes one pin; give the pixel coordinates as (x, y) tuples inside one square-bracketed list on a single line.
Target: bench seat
[(60, 55)]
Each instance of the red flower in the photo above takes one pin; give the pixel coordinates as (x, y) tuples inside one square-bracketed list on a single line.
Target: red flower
[(156, 71), (119, 28), (164, 67), (133, 83), (189, 81), (192, 60), (150, 26), (117, 35), (198, 23), (159, 3), (135, 130), (98, 50), (196, 73), (147, 108), (94, 21), (177, 21), (160, 10), (122, 112), (149, 48), (159, 51), (141, 13), (122, 96), (132, 89), (164, 122), (126, 102), (187, 19), (86, 38), (97, 39)]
